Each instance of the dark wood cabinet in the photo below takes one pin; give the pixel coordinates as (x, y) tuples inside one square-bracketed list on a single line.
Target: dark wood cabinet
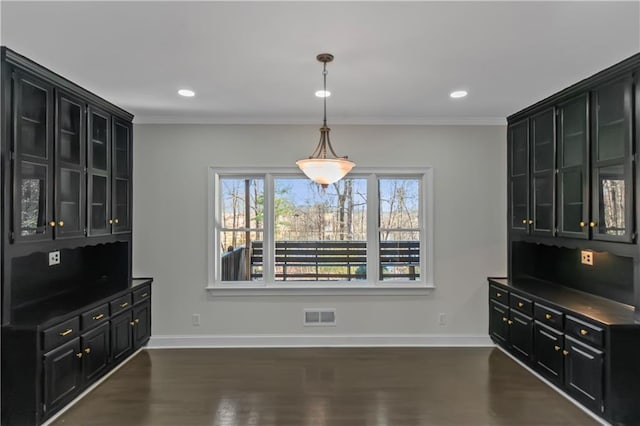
[(32, 158), (518, 134), (498, 317), (142, 324), (121, 177), (521, 334), (99, 172), (573, 168), (542, 128), (612, 162), (584, 367), (121, 335), (95, 350), (548, 355), (62, 375), (70, 154)]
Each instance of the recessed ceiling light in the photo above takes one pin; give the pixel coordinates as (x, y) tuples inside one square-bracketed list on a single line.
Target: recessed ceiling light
[(323, 93), (458, 94), (186, 93)]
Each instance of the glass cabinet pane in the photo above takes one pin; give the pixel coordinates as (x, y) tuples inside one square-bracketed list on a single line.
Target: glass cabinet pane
[(573, 133), (121, 203), (543, 202), (612, 123), (543, 141), (70, 138), (32, 120), (611, 195), (99, 209), (519, 202), (571, 190), (99, 142), (70, 188), (32, 184), (121, 151), (519, 149)]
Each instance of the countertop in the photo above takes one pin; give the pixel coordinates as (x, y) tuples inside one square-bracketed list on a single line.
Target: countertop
[(597, 308)]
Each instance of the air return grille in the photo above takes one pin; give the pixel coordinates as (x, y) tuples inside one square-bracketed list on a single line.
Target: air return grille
[(319, 317)]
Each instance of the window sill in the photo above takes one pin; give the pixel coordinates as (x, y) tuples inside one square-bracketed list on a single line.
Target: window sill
[(291, 290)]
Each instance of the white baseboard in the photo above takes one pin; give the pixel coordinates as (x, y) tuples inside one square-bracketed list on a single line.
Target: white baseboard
[(301, 340)]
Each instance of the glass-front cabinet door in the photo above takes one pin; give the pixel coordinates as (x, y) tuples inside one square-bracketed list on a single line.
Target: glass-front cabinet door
[(121, 177), (519, 176), (32, 154), (542, 128), (70, 169), (573, 177), (612, 161), (99, 172)]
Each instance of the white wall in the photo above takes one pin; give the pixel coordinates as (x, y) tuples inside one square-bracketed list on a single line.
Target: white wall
[(170, 205)]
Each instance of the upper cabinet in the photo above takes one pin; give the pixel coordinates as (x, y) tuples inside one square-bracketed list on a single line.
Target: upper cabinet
[(71, 159), (612, 162), (572, 163)]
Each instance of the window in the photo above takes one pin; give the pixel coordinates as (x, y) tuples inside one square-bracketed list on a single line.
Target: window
[(277, 229)]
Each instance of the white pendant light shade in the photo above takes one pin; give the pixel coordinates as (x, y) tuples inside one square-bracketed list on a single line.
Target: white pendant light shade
[(325, 171), (320, 169)]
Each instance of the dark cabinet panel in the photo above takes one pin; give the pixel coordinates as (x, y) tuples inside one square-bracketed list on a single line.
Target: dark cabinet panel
[(99, 172), (70, 145), (521, 334), (573, 168), (33, 158), (543, 175), (518, 135), (548, 354), (584, 373), (62, 374), (95, 350), (121, 177), (142, 321), (612, 155), (121, 336), (498, 321)]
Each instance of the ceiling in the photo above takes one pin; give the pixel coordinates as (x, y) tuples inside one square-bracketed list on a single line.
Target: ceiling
[(254, 62)]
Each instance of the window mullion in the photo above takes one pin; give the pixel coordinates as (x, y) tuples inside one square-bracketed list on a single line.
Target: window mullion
[(372, 229), (268, 252)]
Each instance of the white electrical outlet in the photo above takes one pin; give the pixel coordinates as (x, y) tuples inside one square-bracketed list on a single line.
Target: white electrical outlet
[(195, 319), (54, 258), (587, 257), (442, 318)]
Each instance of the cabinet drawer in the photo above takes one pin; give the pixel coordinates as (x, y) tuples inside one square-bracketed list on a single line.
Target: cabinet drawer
[(95, 316), (141, 294), (61, 333), (120, 304), (521, 304), (497, 293), (584, 331), (548, 316)]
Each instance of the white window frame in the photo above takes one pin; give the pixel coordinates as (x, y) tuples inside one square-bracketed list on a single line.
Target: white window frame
[(372, 285)]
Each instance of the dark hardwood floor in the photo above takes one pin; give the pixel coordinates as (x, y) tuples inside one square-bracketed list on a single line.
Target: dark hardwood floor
[(323, 386)]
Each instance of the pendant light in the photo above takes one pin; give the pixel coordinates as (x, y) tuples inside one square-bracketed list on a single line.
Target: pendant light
[(318, 167)]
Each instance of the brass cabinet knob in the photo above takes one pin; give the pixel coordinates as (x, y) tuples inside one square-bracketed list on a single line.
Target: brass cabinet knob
[(498, 294), (146, 294), (52, 224), (88, 350), (509, 322), (582, 224), (505, 319), (124, 305), (592, 224), (110, 221), (556, 347), (137, 320), (132, 323), (520, 304), (530, 221), (583, 332), (565, 353), (116, 221), (66, 332), (524, 221), (61, 223), (547, 316), (79, 354), (98, 317)]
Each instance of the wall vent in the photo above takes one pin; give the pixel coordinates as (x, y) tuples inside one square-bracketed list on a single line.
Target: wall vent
[(319, 317)]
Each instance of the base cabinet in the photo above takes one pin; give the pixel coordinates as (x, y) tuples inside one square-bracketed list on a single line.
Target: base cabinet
[(95, 352), (596, 363), (141, 324), (62, 375), (121, 336)]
